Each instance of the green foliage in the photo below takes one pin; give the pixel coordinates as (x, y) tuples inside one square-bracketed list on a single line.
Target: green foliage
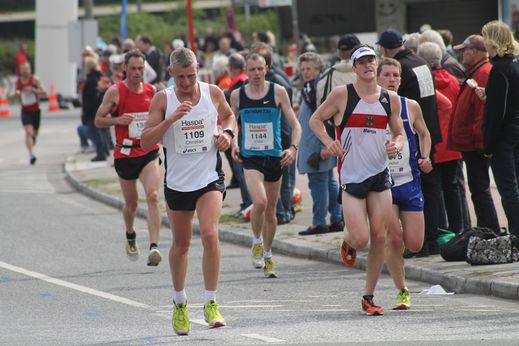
[(164, 28)]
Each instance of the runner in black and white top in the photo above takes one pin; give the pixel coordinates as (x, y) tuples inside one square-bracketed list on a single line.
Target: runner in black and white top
[(185, 119), (361, 113)]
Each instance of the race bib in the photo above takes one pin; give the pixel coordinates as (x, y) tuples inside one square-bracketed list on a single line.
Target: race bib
[(193, 136), (137, 125), (399, 166), (28, 98), (259, 136), (425, 80)]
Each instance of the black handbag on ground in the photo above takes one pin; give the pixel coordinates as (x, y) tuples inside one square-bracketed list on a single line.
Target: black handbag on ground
[(456, 248)]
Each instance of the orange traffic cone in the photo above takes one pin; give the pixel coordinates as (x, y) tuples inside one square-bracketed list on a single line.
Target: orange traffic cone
[(53, 100), (4, 110)]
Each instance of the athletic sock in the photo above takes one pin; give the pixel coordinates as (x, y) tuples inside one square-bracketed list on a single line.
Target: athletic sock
[(152, 245), (209, 295), (256, 240), (131, 236), (179, 297), (267, 254)]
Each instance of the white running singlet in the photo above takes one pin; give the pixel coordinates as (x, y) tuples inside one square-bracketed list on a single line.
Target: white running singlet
[(192, 160)]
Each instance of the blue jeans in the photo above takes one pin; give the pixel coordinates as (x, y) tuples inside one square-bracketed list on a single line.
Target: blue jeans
[(324, 190), (505, 166), (83, 133), (284, 207)]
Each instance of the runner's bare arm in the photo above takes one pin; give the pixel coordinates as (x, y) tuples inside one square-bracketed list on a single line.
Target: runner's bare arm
[(152, 133), (158, 122), (223, 140), (110, 101), (332, 107), (40, 89), (235, 109), (424, 137), (396, 126), (289, 155)]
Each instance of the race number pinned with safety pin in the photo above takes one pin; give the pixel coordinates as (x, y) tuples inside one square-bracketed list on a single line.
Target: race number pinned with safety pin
[(137, 125), (193, 136), (259, 136)]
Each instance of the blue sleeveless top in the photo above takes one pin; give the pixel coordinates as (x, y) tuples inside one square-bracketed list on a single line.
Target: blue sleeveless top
[(260, 125)]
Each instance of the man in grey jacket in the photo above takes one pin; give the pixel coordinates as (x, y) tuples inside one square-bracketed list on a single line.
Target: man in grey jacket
[(340, 73)]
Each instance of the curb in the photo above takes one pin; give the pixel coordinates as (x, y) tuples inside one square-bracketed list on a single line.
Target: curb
[(451, 282)]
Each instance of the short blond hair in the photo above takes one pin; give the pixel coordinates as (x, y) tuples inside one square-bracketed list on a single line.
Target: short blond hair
[(499, 35), (91, 64)]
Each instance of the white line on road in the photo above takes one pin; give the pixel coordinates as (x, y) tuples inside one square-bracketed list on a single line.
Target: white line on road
[(76, 287), (262, 338)]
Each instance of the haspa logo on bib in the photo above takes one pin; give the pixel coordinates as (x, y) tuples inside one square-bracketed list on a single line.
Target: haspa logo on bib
[(192, 122)]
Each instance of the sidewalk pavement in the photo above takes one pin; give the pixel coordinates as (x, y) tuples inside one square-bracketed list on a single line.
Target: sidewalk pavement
[(99, 181)]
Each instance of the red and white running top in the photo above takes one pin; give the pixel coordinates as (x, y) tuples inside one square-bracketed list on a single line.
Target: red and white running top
[(362, 134)]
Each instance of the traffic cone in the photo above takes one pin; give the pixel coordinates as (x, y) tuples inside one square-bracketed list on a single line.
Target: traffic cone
[(4, 104), (53, 100)]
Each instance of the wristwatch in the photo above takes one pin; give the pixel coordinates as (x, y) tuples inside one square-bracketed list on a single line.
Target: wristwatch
[(426, 158), (296, 147), (229, 131)]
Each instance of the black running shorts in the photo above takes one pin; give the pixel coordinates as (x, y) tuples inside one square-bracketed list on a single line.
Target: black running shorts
[(31, 118), (186, 201), (377, 183), (269, 166), (130, 168)]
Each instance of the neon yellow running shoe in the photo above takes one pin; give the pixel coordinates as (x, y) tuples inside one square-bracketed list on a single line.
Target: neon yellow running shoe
[(257, 256), (268, 270), (180, 321), (212, 315), (403, 300)]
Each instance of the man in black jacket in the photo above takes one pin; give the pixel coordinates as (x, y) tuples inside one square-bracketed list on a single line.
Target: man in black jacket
[(418, 84)]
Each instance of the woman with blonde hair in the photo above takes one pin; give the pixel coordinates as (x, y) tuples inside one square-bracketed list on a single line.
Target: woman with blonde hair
[(501, 117), (90, 101)]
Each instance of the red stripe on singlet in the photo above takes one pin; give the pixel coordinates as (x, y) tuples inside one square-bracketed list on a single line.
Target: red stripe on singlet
[(367, 120)]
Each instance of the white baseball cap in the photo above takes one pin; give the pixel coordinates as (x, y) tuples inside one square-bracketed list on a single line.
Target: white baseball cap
[(362, 51)]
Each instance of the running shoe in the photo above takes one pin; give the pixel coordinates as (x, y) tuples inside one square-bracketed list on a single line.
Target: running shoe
[(180, 321), (348, 254), (257, 256), (132, 249), (403, 300), (154, 257), (32, 160), (212, 315), (268, 269), (368, 305)]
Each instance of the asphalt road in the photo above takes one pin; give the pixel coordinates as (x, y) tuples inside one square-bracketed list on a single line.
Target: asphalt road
[(65, 280)]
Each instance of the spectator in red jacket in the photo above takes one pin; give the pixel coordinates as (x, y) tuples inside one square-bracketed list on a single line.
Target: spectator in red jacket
[(466, 130), (448, 162)]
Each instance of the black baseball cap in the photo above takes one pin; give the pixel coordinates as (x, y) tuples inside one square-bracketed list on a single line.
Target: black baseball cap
[(391, 38), (347, 42)]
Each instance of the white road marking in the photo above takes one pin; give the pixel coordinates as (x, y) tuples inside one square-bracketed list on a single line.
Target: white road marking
[(76, 287), (262, 338)]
